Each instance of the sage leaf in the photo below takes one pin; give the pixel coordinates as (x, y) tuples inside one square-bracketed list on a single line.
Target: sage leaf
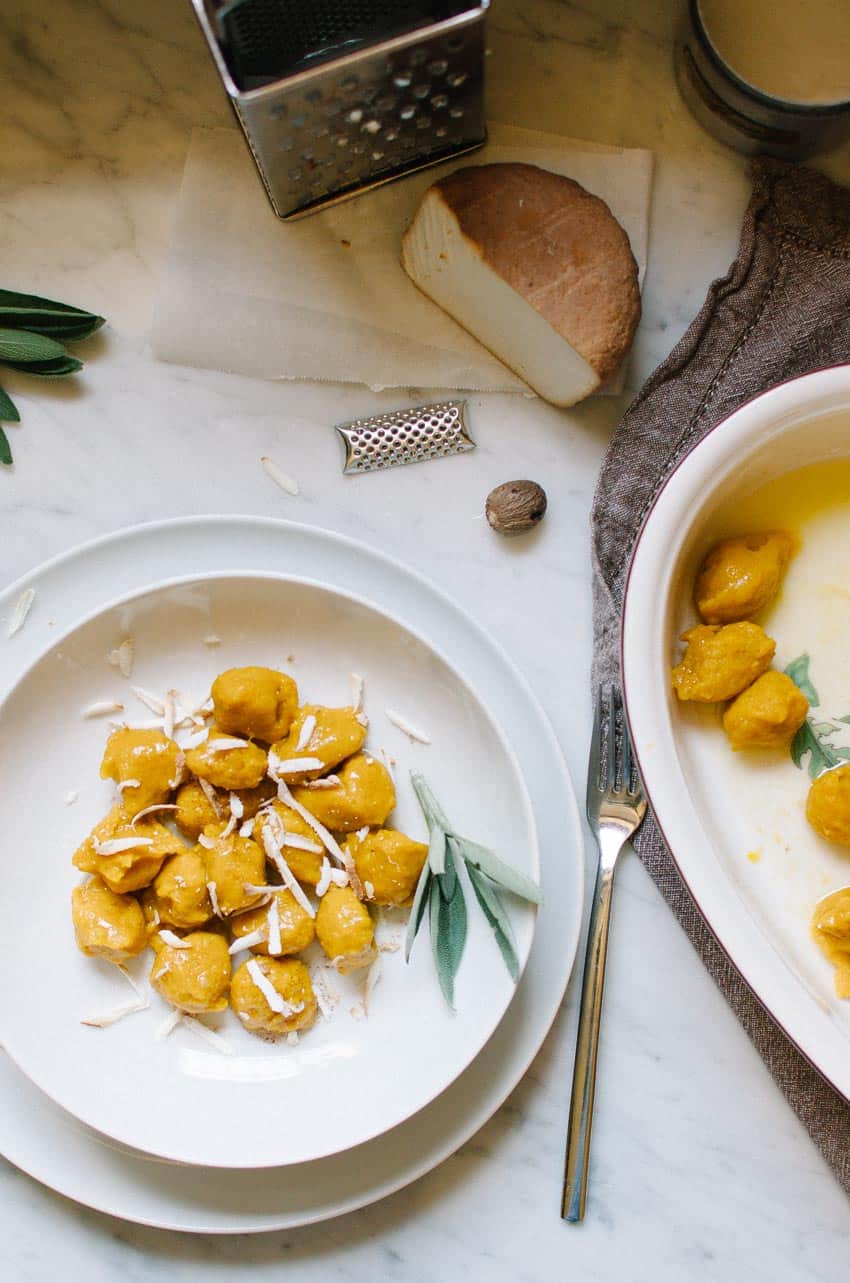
[(24, 346), (13, 299), (5, 449), (437, 850), (823, 729), (430, 807), (8, 409), (488, 862), (807, 743), (61, 325), (420, 901), (52, 369), (448, 882), (798, 671), (843, 753), (487, 895), (448, 936)]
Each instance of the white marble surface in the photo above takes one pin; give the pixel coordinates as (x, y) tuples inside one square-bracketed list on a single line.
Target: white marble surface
[(700, 1171)]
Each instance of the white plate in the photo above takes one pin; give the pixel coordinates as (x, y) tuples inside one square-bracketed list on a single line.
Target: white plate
[(714, 807), (349, 1078), (131, 1185)]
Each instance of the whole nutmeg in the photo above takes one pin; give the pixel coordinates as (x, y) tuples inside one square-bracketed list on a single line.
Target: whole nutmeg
[(515, 507)]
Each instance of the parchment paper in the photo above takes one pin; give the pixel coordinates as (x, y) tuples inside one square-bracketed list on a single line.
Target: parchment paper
[(326, 297)]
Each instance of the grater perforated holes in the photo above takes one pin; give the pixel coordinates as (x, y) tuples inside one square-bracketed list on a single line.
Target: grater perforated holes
[(402, 80), (438, 68), (421, 91), (439, 101), (408, 436)]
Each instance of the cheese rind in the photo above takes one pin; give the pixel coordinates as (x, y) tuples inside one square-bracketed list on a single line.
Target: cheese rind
[(536, 268)]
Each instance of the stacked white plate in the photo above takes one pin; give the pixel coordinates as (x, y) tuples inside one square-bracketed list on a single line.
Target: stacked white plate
[(172, 1132)]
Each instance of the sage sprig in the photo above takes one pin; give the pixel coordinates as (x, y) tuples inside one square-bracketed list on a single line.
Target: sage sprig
[(33, 334), (440, 889)]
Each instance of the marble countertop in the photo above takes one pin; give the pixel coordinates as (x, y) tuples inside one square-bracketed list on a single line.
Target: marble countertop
[(700, 1171)]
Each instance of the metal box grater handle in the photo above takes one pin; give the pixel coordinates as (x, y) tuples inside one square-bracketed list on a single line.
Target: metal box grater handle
[(338, 124)]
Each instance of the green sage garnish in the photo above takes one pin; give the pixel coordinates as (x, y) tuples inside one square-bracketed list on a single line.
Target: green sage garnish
[(811, 740), (33, 333), (440, 889)]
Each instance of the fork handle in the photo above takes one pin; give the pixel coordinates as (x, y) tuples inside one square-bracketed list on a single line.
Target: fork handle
[(587, 1040)]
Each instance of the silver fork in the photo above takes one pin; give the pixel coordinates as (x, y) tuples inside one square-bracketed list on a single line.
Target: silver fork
[(615, 808)]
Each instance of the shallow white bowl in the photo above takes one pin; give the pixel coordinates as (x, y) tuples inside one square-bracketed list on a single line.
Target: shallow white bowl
[(714, 806), (348, 1079)]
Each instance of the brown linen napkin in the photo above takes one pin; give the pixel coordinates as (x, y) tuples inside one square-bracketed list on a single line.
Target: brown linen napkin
[(782, 310)]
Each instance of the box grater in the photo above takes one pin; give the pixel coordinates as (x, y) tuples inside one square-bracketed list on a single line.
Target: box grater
[(338, 96)]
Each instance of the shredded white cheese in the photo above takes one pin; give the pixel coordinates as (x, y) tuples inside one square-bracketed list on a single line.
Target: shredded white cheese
[(326, 782), (117, 1013), (247, 941), (306, 734), (212, 1036), (127, 784), (169, 1024), (225, 743), (362, 833), (299, 843), (289, 880), (212, 892), (273, 919), (151, 701), (21, 609), (169, 714), (247, 828), (122, 657), (195, 738), (295, 765), (211, 796), (292, 1038), (71, 796), (357, 687), (412, 732), (168, 937), (149, 810), (322, 834), (101, 707), (266, 988), (373, 975), (236, 808), (279, 477), (114, 846), (370, 890), (206, 842)]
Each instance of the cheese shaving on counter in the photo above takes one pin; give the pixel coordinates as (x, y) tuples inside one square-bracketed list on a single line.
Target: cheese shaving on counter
[(279, 477), (71, 797), (212, 639), (412, 732), (19, 615)]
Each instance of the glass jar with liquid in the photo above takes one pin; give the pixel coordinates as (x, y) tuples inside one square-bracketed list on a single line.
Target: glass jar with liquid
[(769, 76)]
